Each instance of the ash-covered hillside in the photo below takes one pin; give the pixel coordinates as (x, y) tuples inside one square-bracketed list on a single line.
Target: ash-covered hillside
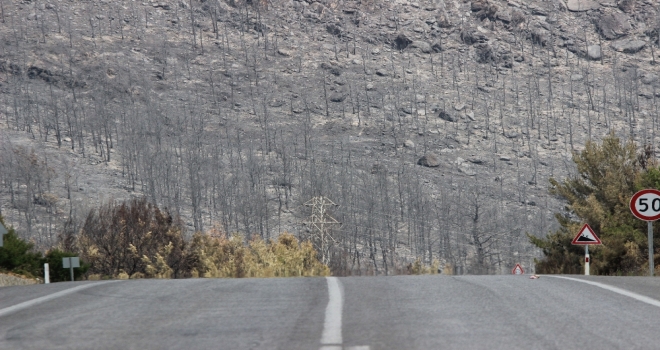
[(432, 125)]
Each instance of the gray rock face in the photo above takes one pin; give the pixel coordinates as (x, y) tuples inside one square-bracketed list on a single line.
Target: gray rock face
[(503, 15), (628, 45), (484, 53), (552, 18), (576, 77), (276, 103), (338, 97), (420, 26), (540, 8), (582, 5), (466, 169), (402, 41), (650, 78), (429, 160), (614, 26), (408, 144), (594, 52), (483, 9), (421, 45), (446, 116), (443, 21), (333, 69), (284, 52), (476, 160), (472, 36), (627, 6), (334, 29), (382, 73)]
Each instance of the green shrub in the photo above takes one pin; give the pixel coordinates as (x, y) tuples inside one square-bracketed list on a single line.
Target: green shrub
[(608, 174), (57, 272), (18, 257)]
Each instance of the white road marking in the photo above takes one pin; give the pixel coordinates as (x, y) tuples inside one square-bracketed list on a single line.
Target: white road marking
[(331, 338), (30, 303), (623, 292)]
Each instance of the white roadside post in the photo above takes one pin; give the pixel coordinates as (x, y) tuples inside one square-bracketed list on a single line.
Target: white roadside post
[(586, 237), (46, 274), (586, 260), (645, 205)]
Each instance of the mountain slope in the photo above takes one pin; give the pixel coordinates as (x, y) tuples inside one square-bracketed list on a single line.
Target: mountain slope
[(433, 125)]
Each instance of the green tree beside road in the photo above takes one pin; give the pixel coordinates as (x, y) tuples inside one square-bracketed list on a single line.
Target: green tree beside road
[(608, 174), (18, 256)]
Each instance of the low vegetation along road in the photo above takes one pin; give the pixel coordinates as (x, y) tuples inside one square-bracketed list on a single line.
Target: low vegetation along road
[(407, 312)]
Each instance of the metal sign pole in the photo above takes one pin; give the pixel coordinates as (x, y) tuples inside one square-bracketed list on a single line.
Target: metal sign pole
[(645, 205), (71, 268), (650, 234), (586, 260)]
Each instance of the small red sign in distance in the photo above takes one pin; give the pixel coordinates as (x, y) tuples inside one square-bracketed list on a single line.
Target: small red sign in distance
[(518, 270)]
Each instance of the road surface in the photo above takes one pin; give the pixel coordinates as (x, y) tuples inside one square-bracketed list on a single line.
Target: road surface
[(402, 312)]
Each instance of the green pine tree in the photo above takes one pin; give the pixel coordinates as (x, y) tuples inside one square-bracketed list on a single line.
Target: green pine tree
[(608, 174)]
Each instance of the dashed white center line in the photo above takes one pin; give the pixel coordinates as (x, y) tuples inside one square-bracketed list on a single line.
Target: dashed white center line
[(331, 337)]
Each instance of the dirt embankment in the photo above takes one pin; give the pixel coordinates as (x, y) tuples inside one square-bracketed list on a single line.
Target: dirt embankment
[(16, 280)]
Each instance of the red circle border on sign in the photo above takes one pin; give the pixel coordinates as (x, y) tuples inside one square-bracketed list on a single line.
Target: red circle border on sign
[(638, 214)]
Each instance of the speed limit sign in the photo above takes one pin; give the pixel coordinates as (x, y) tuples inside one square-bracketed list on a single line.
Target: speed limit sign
[(645, 205)]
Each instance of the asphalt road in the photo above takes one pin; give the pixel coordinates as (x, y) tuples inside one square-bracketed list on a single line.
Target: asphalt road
[(404, 312)]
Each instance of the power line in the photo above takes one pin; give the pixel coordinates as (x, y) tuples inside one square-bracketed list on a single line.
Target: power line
[(320, 220)]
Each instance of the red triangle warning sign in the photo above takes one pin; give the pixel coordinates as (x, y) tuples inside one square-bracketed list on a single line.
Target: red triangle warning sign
[(518, 270), (586, 236)]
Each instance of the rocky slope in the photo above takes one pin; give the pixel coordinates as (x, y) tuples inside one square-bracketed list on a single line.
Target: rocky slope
[(434, 125)]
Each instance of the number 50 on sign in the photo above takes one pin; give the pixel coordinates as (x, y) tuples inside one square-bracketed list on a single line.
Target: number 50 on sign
[(645, 205)]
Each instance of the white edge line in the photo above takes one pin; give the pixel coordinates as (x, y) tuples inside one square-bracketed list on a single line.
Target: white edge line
[(624, 292), (331, 336), (29, 303)]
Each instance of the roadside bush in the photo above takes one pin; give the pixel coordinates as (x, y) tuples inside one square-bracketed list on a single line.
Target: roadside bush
[(133, 237), (18, 256), (56, 270), (418, 268), (217, 255)]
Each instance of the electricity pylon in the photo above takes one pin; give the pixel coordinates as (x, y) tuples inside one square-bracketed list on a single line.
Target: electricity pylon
[(321, 223)]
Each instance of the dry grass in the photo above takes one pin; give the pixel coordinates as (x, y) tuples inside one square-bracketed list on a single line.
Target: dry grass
[(222, 256)]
